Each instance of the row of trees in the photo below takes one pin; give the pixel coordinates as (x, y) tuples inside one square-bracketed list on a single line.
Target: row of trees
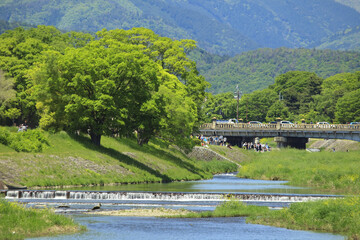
[(294, 96), (116, 83)]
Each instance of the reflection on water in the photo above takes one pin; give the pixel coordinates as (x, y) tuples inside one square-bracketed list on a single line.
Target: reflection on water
[(225, 183)]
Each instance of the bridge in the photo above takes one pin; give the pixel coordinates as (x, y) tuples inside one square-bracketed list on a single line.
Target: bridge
[(285, 135)]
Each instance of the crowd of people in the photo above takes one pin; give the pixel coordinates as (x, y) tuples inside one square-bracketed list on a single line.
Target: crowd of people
[(258, 147), (222, 141), (22, 127), (214, 140)]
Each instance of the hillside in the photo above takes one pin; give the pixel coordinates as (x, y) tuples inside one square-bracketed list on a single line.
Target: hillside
[(219, 26), (73, 160), (5, 25), (257, 69), (344, 40)]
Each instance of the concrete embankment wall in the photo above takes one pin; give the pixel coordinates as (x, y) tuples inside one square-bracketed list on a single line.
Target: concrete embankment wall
[(204, 153), (338, 145)]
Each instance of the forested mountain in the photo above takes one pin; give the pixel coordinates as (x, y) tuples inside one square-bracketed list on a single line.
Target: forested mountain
[(226, 27), (257, 69), (344, 40)]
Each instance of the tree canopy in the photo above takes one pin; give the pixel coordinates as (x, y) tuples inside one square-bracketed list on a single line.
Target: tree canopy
[(295, 96), (117, 83)]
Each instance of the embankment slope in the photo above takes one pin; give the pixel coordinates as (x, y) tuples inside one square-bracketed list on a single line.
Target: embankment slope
[(73, 160)]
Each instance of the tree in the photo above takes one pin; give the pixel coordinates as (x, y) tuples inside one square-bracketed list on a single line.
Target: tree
[(347, 107), (297, 89), (277, 110), (7, 93), (91, 88), (113, 86), (221, 106), (180, 114), (334, 88), (12, 113), (254, 106), (20, 49), (170, 54)]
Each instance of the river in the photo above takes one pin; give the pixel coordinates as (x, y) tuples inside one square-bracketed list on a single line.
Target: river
[(114, 227)]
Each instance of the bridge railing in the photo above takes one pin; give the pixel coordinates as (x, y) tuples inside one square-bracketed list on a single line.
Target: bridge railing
[(264, 126)]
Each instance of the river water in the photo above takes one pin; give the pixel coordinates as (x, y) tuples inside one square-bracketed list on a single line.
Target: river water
[(114, 227)]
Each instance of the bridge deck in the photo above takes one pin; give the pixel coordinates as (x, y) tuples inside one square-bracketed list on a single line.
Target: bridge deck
[(326, 131), (308, 127)]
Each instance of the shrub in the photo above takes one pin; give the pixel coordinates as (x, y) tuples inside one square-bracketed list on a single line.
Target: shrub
[(28, 141), (4, 136)]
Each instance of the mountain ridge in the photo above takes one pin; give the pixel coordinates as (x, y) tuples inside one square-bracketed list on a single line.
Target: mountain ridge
[(225, 27)]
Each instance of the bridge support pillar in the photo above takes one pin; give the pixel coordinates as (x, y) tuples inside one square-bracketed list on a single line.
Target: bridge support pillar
[(281, 142), (293, 142)]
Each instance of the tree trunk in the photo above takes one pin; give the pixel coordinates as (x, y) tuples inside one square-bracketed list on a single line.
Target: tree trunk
[(141, 138), (95, 138), (142, 141)]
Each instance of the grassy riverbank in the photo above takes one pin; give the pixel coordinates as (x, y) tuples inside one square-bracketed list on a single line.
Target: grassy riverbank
[(339, 216), (74, 160), (17, 222), (333, 172)]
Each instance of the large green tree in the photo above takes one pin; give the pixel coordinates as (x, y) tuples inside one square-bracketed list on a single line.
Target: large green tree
[(95, 87), (20, 49), (170, 54), (119, 85)]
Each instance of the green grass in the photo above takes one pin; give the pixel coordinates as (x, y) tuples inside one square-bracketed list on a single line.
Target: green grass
[(216, 166), (18, 222), (74, 160), (232, 208), (340, 216), (334, 172)]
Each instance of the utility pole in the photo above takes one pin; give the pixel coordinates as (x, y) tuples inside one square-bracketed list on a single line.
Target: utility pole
[(237, 105), (281, 97), (238, 96)]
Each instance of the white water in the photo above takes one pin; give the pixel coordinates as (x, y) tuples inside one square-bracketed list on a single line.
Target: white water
[(159, 196)]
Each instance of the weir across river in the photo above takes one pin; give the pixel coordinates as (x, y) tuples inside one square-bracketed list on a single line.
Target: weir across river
[(292, 135), (159, 196)]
